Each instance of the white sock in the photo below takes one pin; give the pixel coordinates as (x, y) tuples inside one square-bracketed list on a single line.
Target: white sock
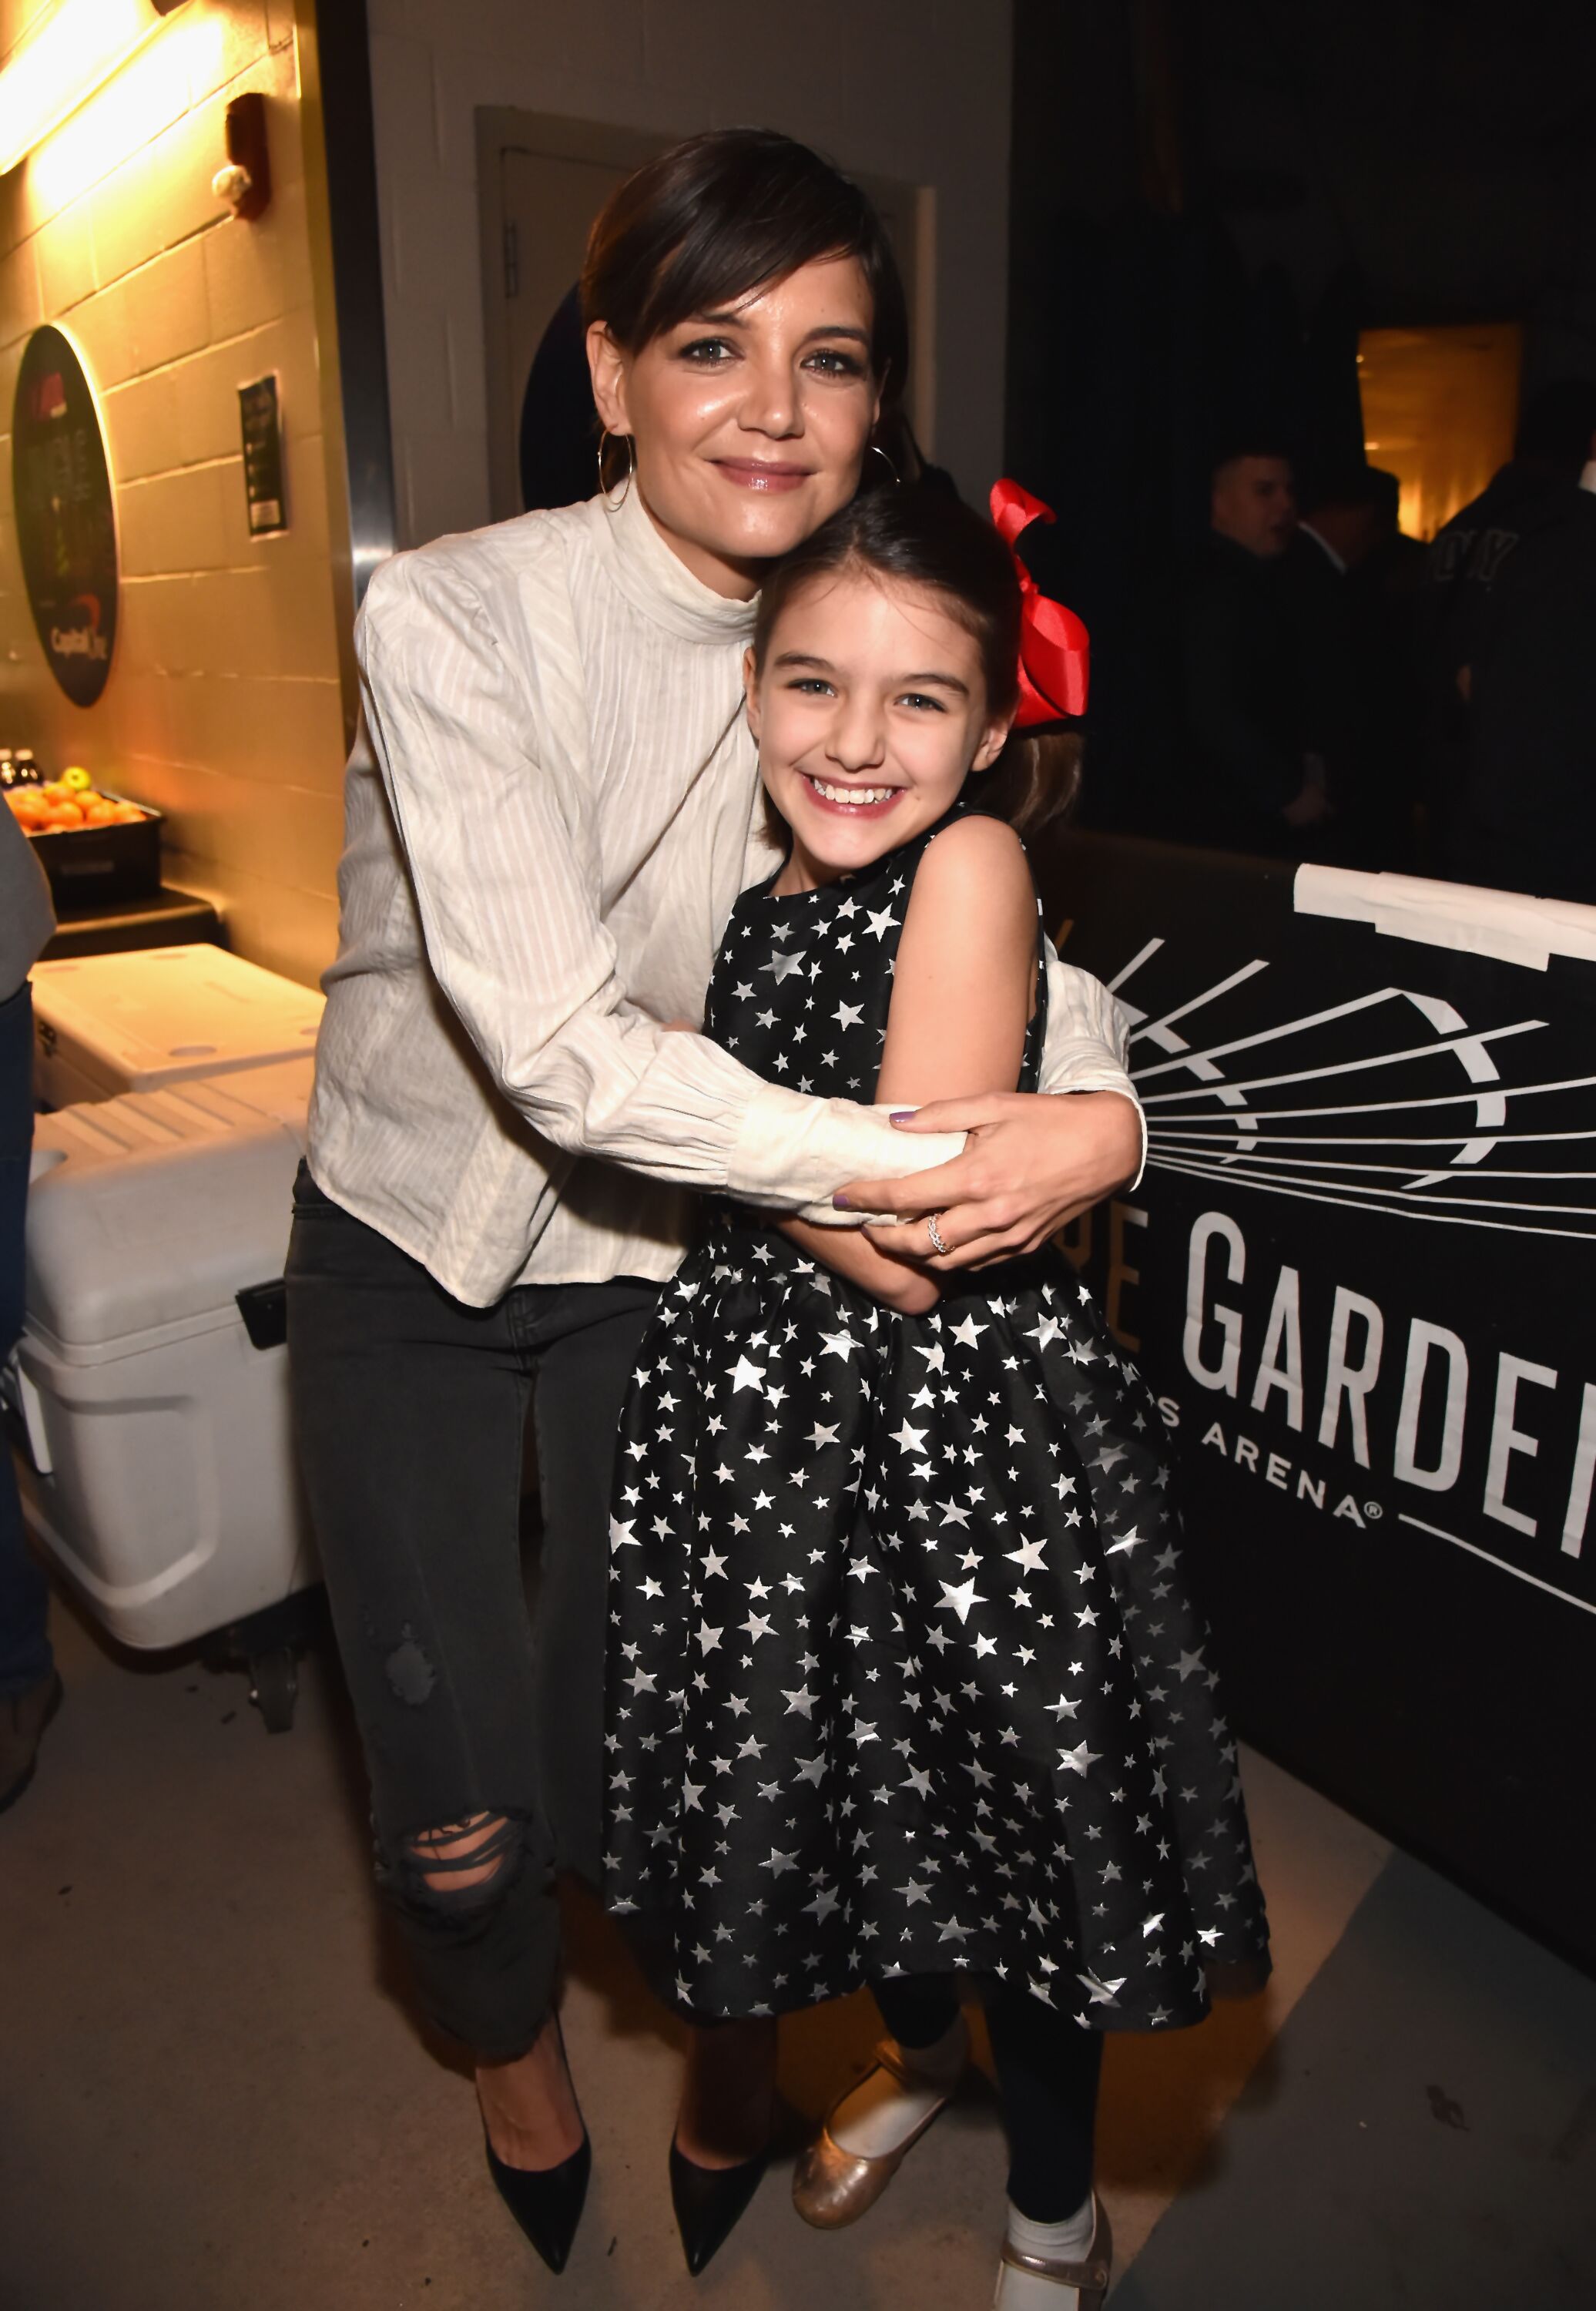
[(879, 2116), (1066, 2242)]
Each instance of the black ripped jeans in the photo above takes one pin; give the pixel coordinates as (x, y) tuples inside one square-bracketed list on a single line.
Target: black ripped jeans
[(410, 1411)]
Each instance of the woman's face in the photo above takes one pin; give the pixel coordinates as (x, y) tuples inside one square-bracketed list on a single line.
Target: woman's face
[(750, 424)]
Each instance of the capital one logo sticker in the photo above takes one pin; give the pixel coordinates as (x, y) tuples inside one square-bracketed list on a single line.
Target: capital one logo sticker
[(81, 636)]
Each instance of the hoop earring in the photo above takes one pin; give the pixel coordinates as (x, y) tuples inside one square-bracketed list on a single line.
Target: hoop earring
[(614, 505), (877, 451)]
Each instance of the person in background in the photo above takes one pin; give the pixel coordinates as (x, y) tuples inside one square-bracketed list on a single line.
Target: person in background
[(1354, 650), (1550, 450), (1524, 816), (1535, 489), (1398, 559), (1253, 501), (1385, 589), (1253, 780), (30, 1687), (1341, 518)]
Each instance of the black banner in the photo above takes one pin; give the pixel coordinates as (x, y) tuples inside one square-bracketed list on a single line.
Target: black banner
[(66, 530), (1358, 1274)]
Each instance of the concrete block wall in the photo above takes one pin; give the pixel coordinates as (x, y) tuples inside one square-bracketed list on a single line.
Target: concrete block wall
[(912, 90), (223, 706)]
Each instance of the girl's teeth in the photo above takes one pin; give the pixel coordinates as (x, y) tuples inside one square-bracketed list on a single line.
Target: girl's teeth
[(859, 797)]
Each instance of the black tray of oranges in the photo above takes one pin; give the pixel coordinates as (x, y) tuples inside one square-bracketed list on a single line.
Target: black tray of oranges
[(95, 847)]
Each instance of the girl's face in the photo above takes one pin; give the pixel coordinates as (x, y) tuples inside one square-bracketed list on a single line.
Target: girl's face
[(750, 425), (869, 714)]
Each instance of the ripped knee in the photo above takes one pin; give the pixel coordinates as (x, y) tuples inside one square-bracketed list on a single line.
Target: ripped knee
[(459, 1866)]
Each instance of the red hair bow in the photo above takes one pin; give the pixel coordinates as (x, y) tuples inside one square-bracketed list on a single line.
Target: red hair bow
[(1054, 650)]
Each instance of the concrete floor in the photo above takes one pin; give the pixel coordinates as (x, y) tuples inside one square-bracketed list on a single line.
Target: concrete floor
[(212, 2093)]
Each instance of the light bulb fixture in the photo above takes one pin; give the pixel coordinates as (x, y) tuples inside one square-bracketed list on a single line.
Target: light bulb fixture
[(77, 47)]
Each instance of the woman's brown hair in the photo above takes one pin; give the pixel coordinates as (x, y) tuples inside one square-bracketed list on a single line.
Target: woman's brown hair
[(925, 536)]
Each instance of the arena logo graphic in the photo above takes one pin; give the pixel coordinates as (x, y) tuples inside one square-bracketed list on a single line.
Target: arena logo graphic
[(1348, 1390), (1434, 1391), (1439, 1173)]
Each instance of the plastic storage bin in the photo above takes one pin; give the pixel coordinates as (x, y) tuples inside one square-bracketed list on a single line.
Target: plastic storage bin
[(96, 865), (164, 1486), (105, 1023)]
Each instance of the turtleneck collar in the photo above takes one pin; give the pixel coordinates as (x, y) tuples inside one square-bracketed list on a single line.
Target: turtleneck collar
[(655, 582)]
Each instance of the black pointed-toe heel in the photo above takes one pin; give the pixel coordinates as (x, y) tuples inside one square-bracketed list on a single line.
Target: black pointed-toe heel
[(710, 2201), (547, 2204)]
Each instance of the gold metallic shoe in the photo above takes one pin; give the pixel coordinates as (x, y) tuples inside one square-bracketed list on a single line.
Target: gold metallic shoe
[(832, 2187), (1088, 2278)]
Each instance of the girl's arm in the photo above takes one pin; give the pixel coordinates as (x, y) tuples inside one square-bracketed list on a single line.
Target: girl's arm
[(962, 989)]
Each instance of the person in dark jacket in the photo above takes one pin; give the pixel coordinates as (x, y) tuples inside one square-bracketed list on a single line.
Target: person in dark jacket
[(1252, 778), (1525, 817), (1349, 570), (1468, 558), (30, 1687)]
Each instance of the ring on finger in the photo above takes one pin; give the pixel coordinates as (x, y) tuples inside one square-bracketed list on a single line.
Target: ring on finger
[(933, 1230)]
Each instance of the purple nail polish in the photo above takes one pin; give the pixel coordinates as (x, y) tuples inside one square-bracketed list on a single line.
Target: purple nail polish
[(901, 1115), (840, 1203)]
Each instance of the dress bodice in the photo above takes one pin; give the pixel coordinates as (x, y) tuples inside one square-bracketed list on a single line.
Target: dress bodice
[(802, 986)]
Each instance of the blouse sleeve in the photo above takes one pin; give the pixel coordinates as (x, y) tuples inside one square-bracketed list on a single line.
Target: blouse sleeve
[(1088, 1041)]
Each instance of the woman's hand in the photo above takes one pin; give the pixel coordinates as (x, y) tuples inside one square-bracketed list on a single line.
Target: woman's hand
[(1031, 1163)]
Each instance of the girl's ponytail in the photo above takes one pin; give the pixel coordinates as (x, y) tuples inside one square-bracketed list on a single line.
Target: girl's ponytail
[(1035, 781)]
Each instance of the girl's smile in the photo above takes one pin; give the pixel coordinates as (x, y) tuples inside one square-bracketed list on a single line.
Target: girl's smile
[(858, 802), (870, 712)]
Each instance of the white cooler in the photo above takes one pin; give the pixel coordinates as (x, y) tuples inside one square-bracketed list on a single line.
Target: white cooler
[(164, 1486), (104, 1024)]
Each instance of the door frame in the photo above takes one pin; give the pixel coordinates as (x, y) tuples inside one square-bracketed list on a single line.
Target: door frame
[(500, 128)]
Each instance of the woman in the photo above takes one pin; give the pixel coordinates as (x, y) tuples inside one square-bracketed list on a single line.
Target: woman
[(540, 859)]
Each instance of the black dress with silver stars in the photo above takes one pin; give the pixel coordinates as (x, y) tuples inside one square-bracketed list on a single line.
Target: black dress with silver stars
[(903, 1676)]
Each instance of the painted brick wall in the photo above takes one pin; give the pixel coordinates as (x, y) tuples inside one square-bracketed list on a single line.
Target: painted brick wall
[(913, 89), (223, 705)]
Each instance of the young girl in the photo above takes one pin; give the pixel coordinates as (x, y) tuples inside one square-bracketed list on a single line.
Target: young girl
[(903, 1679)]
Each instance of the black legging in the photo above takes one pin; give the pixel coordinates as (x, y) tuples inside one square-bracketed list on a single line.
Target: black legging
[(1048, 2070)]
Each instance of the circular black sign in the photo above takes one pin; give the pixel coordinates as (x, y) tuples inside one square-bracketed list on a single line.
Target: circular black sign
[(66, 527)]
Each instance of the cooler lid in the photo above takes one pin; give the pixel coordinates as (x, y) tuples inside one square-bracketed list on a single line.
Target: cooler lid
[(160, 1015), (157, 1208)]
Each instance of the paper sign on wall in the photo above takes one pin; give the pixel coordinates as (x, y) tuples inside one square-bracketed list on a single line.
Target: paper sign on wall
[(262, 457)]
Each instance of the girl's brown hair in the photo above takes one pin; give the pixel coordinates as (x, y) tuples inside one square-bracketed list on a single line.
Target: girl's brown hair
[(925, 536)]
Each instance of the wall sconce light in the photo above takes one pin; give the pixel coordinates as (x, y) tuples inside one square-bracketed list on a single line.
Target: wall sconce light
[(80, 44), (245, 183)]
